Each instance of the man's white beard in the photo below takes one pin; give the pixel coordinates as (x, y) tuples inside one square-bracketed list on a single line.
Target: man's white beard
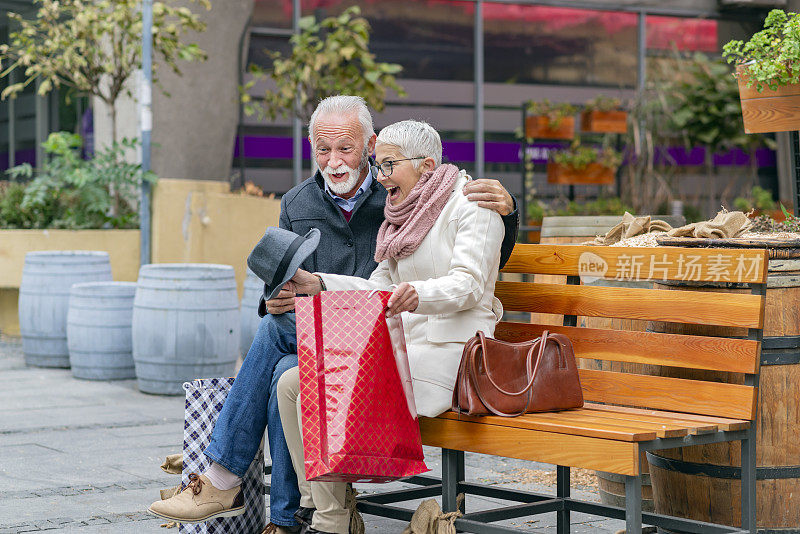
[(341, 188)]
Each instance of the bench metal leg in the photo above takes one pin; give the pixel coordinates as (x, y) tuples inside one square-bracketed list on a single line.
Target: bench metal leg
[(749, 483), (562, 492), (452, 475), (633, 505)]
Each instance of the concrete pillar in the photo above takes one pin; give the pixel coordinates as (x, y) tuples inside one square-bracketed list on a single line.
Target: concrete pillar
[(195, 127)]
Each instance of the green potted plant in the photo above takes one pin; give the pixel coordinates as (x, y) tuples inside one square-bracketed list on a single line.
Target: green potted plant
[(583, 165), (604, 115), (768, 72), (759, 202), (550, 120), (68, 192)]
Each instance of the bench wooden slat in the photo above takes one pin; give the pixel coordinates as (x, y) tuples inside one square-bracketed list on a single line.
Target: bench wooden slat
[(566, 422), (722, 423), (586, 417), (675, 350), (611, 455), (664, 393), (621, 418), (720, 309), (667, 263)]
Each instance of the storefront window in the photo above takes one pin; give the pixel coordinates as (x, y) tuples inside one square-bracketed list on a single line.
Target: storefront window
[(431, 39), (554, 45), (272, 14)]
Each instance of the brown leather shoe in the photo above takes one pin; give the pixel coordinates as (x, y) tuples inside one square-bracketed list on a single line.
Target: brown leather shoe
[(198, 502)]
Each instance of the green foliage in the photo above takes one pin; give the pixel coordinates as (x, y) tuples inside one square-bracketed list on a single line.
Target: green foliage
[(599, 206), (73, 193), (602, 103), (578, 156), (705, 107), (93, 47), (554, 111), (771, 58), (759, 198), (328, 58)]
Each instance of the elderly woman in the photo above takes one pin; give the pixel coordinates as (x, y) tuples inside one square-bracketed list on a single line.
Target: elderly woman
[(439, 253)]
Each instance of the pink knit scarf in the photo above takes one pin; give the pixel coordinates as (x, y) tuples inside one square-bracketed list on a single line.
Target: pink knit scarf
[(408, 222)]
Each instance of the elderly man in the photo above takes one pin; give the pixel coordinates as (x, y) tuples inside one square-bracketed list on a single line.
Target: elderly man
[(344, 201)]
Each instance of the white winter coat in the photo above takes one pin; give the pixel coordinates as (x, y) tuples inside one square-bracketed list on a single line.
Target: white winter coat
[(454, 271)]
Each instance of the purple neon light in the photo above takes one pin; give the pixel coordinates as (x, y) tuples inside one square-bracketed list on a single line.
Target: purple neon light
[(263, 147)]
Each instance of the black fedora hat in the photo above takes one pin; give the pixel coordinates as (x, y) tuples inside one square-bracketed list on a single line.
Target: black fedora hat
[(278, 255)]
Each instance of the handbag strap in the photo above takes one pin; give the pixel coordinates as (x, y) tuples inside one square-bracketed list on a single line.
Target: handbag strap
[(530, 370)]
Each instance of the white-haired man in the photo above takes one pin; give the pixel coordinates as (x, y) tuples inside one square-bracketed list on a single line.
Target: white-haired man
[(345, 202)]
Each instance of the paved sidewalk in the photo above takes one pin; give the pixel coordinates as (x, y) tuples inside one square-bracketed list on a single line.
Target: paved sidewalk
[(83, 456)]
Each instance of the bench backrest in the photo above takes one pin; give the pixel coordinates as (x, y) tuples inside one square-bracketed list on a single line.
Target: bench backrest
[(704, 359)]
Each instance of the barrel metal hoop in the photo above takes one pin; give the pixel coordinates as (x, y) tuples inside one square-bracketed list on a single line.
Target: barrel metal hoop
[(772, 355), (721, 471)]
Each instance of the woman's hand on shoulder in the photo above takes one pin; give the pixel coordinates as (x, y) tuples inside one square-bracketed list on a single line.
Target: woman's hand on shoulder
[(404, 298), (489, 194)]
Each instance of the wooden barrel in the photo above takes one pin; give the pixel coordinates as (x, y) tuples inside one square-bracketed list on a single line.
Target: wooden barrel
[(253, 289), (44, 299), (702, 482), (99, 330), (185, 325)]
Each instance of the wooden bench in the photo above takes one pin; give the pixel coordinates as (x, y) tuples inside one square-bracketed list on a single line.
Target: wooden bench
[(625, 414)]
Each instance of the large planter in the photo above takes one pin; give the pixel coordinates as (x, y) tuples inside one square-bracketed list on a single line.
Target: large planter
[(592, 174), (44, 300), (99, 330), (185, 325), (540, 127), (700, 482), (604, 121), (769, 111)]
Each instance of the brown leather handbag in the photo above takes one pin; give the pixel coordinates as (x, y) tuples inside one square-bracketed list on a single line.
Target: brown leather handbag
[(511, 379)]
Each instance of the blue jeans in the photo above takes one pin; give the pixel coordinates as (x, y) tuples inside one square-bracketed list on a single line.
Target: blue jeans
[(252, 406)]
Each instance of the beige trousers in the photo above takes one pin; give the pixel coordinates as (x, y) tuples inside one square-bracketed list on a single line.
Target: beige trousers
[(327, 497)]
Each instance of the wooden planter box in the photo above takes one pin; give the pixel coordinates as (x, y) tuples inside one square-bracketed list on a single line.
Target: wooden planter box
[(604, 121), (538, 126), (769, 111), (594, 173)]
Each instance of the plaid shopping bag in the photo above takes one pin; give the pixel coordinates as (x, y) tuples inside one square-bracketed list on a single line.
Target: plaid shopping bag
[(359, 417), (204, 400)]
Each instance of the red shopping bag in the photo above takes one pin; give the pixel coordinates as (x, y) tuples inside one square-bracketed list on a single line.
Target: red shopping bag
[(359, 419)]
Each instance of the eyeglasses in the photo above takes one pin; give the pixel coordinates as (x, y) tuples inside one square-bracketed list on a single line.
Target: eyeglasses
[(388, 166)]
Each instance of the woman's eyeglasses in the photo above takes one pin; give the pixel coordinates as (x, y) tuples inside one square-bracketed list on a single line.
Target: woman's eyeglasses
[(388, 166)]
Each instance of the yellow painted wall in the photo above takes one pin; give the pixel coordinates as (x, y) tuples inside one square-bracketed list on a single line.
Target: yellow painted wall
[(194, 221), (197, 221)]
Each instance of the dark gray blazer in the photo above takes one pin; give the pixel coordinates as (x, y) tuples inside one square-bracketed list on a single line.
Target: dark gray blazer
[(348, 248)]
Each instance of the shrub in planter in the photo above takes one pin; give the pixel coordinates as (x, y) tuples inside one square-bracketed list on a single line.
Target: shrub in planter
[(583, 165), (548, 120), (768, 72), (759, 202), (72, 193), (604, 115)]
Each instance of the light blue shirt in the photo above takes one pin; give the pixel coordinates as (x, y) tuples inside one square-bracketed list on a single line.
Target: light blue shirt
[(348, 204)]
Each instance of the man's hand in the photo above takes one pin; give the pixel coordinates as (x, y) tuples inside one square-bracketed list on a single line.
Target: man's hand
[(404, 298), (490, 194), (283, 303), (304, 283)]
